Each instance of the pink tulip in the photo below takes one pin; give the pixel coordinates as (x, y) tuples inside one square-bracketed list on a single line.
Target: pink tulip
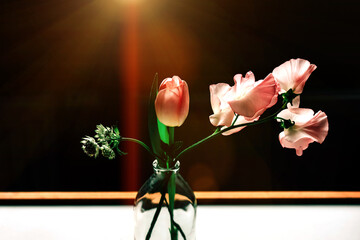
[(172, 102), (308, 128), (247, 98), (293, 74)]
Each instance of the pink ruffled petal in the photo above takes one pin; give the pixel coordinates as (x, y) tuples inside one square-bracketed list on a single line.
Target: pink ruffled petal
[(299, 146), (242, 85), (299, 115), (308, 128), (293, 74), (222, 118), (240, 120), (317, 127), (217, 92), (257, 100), (293, 135)]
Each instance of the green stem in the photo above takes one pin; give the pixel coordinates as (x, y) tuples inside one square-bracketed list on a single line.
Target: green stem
[(171, 191), (171, 135), (217, 132), (141, 144), (171, 142), (236, 117), (198, 143), (158, 209), (173, 221)]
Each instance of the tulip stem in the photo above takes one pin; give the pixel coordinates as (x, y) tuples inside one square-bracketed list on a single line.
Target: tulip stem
[(171, 135)]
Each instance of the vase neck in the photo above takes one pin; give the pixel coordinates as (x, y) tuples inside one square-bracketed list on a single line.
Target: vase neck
[(158, 169)]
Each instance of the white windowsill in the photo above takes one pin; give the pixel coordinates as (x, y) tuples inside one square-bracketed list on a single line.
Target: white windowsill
[(213, 222)]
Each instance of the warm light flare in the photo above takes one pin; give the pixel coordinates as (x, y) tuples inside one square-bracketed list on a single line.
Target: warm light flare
[(129, 77)]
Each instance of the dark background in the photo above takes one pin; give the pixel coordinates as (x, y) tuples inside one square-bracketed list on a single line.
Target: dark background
[(62, 73)]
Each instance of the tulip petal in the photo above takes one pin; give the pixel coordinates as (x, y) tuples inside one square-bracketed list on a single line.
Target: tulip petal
[(183, 106), (172, 102), (166, 105), (257, 100)]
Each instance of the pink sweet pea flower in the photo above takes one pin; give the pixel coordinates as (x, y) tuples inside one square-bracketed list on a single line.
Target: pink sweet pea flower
[(223, 115), (172, 102), (247, 98), (293, 74), (307, 128)]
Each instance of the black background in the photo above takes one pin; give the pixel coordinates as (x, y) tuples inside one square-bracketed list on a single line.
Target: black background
[(62, 74)]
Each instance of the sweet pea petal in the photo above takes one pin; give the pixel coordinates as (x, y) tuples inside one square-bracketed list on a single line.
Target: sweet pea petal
[(262, 96), (240, 120), (299, 115), (293, 74), (217, 92), (243, 84), (308, 128), (222, 118), (318, 127), (299, 145)]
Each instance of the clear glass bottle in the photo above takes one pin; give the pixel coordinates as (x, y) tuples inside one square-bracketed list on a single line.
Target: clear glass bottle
[(154, 217)]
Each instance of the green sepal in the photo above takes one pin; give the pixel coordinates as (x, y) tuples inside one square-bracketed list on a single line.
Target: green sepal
[(153, 125), (287, 123), (289, 96), (116, 130)]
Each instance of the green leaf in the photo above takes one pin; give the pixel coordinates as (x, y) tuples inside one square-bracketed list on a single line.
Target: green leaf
[(116, 130), (164, 133), (152, 119)]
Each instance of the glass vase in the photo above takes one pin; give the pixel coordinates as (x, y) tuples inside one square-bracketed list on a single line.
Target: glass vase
[(165, 207)]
